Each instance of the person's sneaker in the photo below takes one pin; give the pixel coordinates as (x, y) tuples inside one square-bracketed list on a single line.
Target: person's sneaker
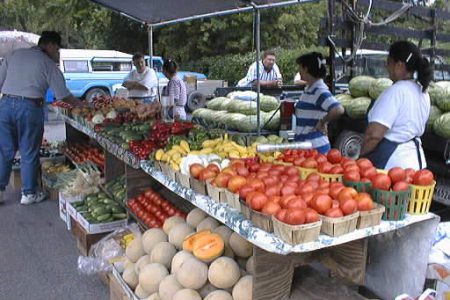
[(32, 198)]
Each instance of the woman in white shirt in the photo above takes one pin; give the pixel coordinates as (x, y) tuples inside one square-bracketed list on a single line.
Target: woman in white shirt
[(399, 115)]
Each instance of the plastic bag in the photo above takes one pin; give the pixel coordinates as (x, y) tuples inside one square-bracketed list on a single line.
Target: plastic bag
[(429, 294), (107, 251)]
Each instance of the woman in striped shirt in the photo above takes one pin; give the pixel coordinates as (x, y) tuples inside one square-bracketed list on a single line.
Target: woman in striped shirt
[(317, 106), (175, 89)]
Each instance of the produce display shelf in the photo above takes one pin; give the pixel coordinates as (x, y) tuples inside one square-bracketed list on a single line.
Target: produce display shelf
[(244, 227)]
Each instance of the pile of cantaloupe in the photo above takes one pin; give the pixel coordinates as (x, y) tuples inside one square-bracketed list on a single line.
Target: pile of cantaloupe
[(191, 259)]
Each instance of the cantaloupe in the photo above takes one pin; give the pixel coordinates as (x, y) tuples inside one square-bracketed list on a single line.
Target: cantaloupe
[(242, 262), (151, 276), (130, 277), (195, 216), (135, 250), (192, 274), (140, 293), (187, 294), (243, 290), (188, 243), (163, 253), (152, 237), (207, 224), (219, 295), (225, 233), (127, 263), (178, 259), (240, 246), (154, 296), (178, 233), (250, 266), (171, 222), (206, 290), (224, 273), (144, 260), (208, 247), (168, 287)]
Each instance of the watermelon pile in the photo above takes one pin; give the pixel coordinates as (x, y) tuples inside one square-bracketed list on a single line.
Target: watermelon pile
[(240, 115)]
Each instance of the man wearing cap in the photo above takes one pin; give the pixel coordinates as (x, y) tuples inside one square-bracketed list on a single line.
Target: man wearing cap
[(25, 76)]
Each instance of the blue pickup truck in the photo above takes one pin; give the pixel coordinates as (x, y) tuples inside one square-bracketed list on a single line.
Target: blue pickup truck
[(91, 73)]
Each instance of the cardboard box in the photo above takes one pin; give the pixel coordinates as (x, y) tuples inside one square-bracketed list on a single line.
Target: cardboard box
[(71, 211), (118, 288), (63, 200), (101, 227), (84, 239), (62, 209)]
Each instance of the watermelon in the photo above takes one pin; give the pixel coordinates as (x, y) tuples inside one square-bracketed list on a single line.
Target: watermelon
[(442, 126), (435, 113), (215, 104), (378, 86), (344, 99), (224, 104), (357, 108), (235, 120), (268, 103), (234, 106), (435, 91), (359, 86), (199, 112), (250, 124), (248, 108), (443, 101), (274, 123), (443, 84)]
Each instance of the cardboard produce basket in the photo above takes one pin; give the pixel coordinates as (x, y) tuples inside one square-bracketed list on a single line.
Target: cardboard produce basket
[(296, 234), (339, 226), (245, 209), (183, 180), (261, 220), (371, 218), (198, 186), (168, 171), (215, 193), (232, 200)]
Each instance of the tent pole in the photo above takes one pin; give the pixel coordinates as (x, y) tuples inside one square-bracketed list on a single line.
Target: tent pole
[(257, 37), (150, 44)]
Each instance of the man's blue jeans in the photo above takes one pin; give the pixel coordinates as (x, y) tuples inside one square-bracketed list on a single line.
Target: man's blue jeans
[(21, 128)]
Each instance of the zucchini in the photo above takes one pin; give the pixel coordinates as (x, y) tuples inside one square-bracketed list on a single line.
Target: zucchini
[(103, 217), (119, 216)]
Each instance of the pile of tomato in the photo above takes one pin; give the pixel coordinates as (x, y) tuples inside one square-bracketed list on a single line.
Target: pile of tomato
[(152, 209)]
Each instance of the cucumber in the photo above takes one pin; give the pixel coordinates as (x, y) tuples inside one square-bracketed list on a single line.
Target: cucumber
[(119, 216), (102, 195), (103, 217), (117, 210), (120, 195), (82, 208), (108, 201), (110, 219), (101, 210)]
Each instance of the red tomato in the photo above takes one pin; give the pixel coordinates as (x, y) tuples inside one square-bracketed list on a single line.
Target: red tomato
[(253, 167), (309, 163), (348, 206), (275, 173), (235, 183), (400, 186), (213, 167), (287, 190), (272, 191), (410, 175), (308, 198), (276, 199), (311, 216), (245, 190), (283, 178), (195, 170), (281, 215), (298, 162), (242, 171), (256, 183), (381, 182), (285, 200), (229, 171), (397, 174), (292, 171), (295, 217), (352, 176), (351, 168), (348, 162), (365, 180), (321, 158), (364, 163), (337, 170), (364, 201), (321, 203), (140, 199), (347, 193), (323, 191), (335, 190), (270, 208), (306, 188), (334, 156), (325, 167), (258, 201), (264, 167), (206, 174), (297, 203), (148, 193), (313, 177), (222, 180), (334, 213), (269, 181), (335, 204), (369, 173), (423, 177), (157, 200)]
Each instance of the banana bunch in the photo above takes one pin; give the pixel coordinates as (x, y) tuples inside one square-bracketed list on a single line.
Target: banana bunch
[(226, 148), (174, 155), (55, 168), (126, 240)]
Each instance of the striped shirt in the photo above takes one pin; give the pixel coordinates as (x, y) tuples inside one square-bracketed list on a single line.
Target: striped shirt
[(313, 105), (273, 74), (176, 89)]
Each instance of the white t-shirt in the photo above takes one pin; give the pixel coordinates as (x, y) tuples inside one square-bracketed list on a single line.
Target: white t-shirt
[(147, 78), (404, 109)]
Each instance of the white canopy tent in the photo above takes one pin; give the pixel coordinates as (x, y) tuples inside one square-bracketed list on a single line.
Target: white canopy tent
[(155, 13)]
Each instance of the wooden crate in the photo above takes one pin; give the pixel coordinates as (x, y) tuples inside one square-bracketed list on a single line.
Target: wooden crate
[(370, 218), (296, 234), (84, 240), (339, 226)]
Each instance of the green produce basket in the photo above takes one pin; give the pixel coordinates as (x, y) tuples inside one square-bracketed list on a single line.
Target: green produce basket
[(361, 187), (396, 203)]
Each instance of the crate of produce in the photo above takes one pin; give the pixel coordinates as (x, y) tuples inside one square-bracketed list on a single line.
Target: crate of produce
[(420, 200), (331, 177), (232, 200), (339, 226), (396, 203), (168, 171), (370, 218), (296, 234), (245, 210), (198, 186), (361, 187), (215, 193), (183, 179), (261, 220), (304, 172)]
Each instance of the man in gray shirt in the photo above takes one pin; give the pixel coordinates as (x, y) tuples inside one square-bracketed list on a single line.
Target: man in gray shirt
[(25, 76)]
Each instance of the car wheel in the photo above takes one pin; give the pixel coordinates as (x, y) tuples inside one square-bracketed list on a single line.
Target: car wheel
[(95, 92), (349, 143), (195, 100)]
